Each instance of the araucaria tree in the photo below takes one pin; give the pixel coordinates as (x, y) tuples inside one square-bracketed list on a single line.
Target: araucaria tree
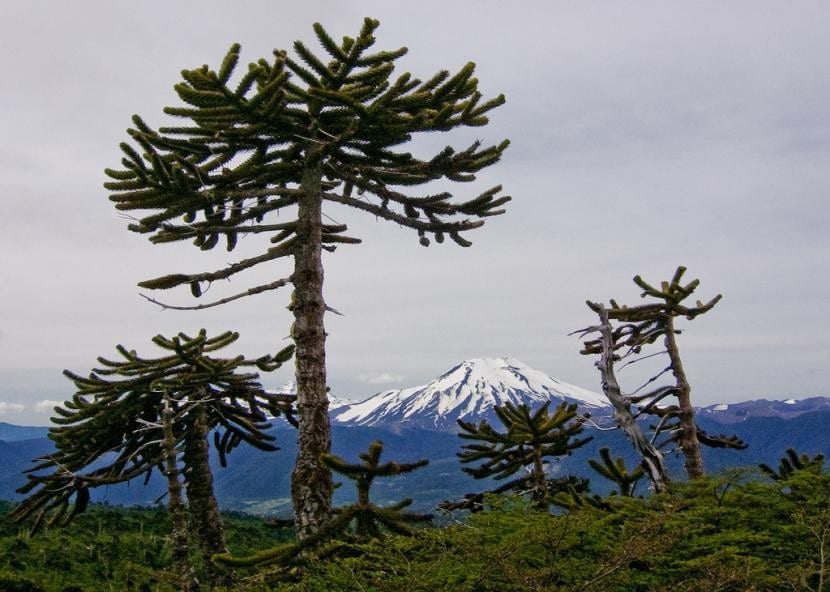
[(300, 133), (638, 327), (614, 470), (359, 521), (793, 462), (119, 424), (607, 344), (530, 438), (370, 519)]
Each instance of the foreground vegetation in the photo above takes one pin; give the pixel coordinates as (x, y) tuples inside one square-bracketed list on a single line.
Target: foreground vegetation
[(107, 548), (735, 532)]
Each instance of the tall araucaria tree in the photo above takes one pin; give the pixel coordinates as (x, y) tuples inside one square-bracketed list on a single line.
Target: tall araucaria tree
[(300, 133), (113, 429), (179, 547)]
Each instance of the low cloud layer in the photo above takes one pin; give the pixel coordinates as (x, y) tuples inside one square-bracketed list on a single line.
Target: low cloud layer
[(46, 406), (381, 378), (10, 408)]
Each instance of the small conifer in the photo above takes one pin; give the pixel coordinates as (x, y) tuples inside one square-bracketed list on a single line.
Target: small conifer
[(368, 518), (529, 439), (356, 522), (792, 463), (616, 471)]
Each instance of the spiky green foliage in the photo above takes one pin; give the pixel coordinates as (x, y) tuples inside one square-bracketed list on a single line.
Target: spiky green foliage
[(356, 522), (793, 462), (573, 498), (114, 419), (725, 534), (670, 296), (303, 133), (247, 144), (728, 533), (368, 518), (643, 325), (616, 471), (529, 439)]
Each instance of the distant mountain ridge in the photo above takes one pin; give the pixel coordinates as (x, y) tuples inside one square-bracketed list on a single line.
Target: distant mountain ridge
[(468, 391), (731, 413), (418, 422), (12, 433), (259, 482)]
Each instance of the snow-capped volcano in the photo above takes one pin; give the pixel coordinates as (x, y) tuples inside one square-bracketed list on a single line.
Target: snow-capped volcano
[(469, 391)]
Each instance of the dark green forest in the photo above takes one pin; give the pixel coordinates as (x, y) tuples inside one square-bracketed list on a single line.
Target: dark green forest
[(738, 531)]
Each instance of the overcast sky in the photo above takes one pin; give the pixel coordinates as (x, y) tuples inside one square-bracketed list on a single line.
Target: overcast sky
[(644, 135)]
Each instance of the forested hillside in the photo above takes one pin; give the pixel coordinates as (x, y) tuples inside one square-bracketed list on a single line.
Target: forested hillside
[(726, 533)]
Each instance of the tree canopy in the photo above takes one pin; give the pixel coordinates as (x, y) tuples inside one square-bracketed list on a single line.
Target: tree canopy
[(102, 434)]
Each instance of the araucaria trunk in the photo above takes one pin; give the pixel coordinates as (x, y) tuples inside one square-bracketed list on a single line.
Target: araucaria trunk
[(185, 574), (687, 438), (204, 511), (540, 480), (311, 484)]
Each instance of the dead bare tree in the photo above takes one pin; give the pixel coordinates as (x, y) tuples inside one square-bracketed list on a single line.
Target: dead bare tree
[(638, 327), (626, 419)]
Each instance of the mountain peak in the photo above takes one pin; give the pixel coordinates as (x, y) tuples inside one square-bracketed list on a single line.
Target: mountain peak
[(466, 391)]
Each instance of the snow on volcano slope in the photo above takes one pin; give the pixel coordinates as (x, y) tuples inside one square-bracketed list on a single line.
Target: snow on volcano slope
[(468, 391)]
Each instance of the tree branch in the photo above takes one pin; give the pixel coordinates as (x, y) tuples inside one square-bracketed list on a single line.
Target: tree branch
[(404, 220), (250, 292), (178, 279)]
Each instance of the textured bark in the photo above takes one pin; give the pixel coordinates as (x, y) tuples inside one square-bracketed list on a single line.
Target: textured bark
[(185, 575), (204, 511), (311, 483), (652, 459), (540, 480), (687, 438), (363, 520)]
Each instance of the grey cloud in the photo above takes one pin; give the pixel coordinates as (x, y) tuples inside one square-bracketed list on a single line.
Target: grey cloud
[(643, 136)]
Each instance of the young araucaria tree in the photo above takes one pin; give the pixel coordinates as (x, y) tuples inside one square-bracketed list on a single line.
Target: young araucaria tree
[(298, 133), (113, 429), (793, 462), (364, 519), (530, 438), (368, 518), (638, 327), (615, 471)]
